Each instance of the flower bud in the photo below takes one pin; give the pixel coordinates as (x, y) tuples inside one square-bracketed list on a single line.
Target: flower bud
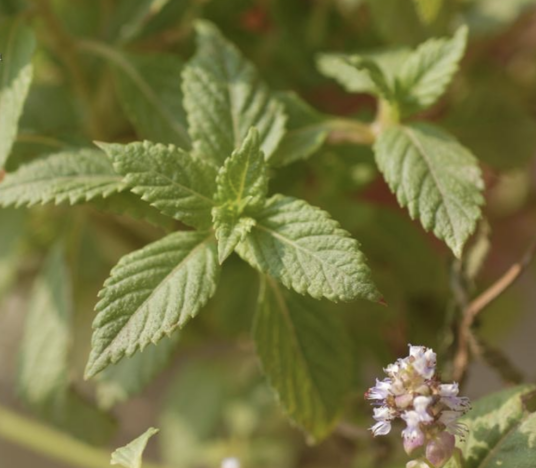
[(440, 449), (410, 444)]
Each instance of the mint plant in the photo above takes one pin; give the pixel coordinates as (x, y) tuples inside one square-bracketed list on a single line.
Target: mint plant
[(186, 179)]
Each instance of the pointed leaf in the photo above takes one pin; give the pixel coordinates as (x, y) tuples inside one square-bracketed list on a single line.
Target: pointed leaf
[(230, 231), (306, 250), (17, 44), (150, 293), (429, 70), (305, 356), (130, 456), (167, 177), (242, 182), (435, 177), (67, 177), (224, 98)]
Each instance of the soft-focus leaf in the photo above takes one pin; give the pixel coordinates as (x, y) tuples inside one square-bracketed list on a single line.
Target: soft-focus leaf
[(43, 364), (17, 44), (175, 182), (305, 356), (435, 177), (502, 430), (357, 79), (307, 130), (66, 177), (306, 250), (200, 388), (129, 377), (12, 223), (130, 456), (429, 70), (224, 98), (149, 91), (428, 9), (150, 293), (43, 379)]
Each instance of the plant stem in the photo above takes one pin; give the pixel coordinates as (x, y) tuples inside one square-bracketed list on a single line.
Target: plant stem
[(350, 131), (52, 443)]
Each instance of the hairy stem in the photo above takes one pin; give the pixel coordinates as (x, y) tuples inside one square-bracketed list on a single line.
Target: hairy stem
[(51, 443)]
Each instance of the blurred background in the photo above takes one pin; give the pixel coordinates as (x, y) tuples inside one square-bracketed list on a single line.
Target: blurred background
[(208, 396)]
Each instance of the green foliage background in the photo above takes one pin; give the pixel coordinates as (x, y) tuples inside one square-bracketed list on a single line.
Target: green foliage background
[(308, 185)]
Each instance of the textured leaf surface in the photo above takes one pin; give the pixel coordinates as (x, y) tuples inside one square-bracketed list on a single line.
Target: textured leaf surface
[(67, 177), (224, 98), (149, 92), (230, 231), (305, 356), (130, 376), (130, 456), (150, 293), (17, 44), (429, 70), (167, 177), (502, 430), (307, 251), (242, 181), (306, 131), (435, 177)]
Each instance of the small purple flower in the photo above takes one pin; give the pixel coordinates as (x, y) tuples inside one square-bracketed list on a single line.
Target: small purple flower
[(430, 409)]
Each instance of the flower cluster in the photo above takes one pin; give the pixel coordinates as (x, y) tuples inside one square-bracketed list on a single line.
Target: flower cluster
[(430, 409)]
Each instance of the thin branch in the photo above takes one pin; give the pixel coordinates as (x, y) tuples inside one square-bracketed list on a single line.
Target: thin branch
[(53, 444), (461, 360)]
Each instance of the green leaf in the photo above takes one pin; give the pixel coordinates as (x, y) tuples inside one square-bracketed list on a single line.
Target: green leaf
[(150, 293), (428, 71), (175, 182), (502, 430), (372, 72), (130, 456), (307, 251), (305, 356), (17, 44), (43, 378), (199, 388), (66, 177), (45, 347), (128, 204), (230, 231), (129, 377), (242, 182), (12, 227), (224, 98), (306, 131), (149, 91), (428, 10), (435, 177)]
